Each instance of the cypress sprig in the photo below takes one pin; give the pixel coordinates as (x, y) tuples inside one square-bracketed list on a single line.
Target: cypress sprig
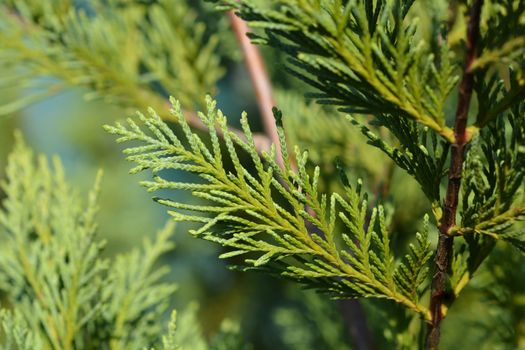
[(265, 216)]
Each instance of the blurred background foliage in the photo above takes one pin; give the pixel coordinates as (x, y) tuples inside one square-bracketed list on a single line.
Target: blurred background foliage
[(68, 67)]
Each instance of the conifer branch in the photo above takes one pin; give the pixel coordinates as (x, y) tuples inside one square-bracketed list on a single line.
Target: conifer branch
[(493, 206), (260, 80), (263, 90), (341, 51), (445, 244), (127, 58), (16, 334), (75, 59), (52, 272), (501, 45), (246, 212), (485, 117), (358, 327)]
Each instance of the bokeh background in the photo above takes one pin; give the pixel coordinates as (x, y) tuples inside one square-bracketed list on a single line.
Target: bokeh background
[(273, 314), (69, 125)]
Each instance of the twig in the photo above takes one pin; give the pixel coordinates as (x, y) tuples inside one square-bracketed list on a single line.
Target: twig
[(351, 310), (446, 240), (260, 81)]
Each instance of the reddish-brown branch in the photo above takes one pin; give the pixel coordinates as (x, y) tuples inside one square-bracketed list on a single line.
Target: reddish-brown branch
[(445, 244), (260, 80), (351, 309)]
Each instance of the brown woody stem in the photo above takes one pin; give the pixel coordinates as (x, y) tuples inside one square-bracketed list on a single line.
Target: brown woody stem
[(352, 310), (446, 240), (260, 80)]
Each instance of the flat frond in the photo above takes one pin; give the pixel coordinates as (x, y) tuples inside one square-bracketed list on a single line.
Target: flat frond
[(420, 153), (493, 195), (363, 56), (275, 217), (493, 205), (500, 66)]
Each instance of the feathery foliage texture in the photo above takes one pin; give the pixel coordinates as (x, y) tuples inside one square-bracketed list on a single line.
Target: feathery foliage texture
[(126, 54), (373, 58), (428, 93), (63, 292), (345, 258), (15, 333), (364, 56), (54, 276)]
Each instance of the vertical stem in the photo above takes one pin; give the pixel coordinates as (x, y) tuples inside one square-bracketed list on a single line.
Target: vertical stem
[(352, 311), (260, 80), (446, 241)]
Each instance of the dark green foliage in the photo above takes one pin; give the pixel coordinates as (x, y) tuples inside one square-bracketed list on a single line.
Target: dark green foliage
[(500, 65), (494, 177), (420, 153), (362, 56), (368, 58)]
